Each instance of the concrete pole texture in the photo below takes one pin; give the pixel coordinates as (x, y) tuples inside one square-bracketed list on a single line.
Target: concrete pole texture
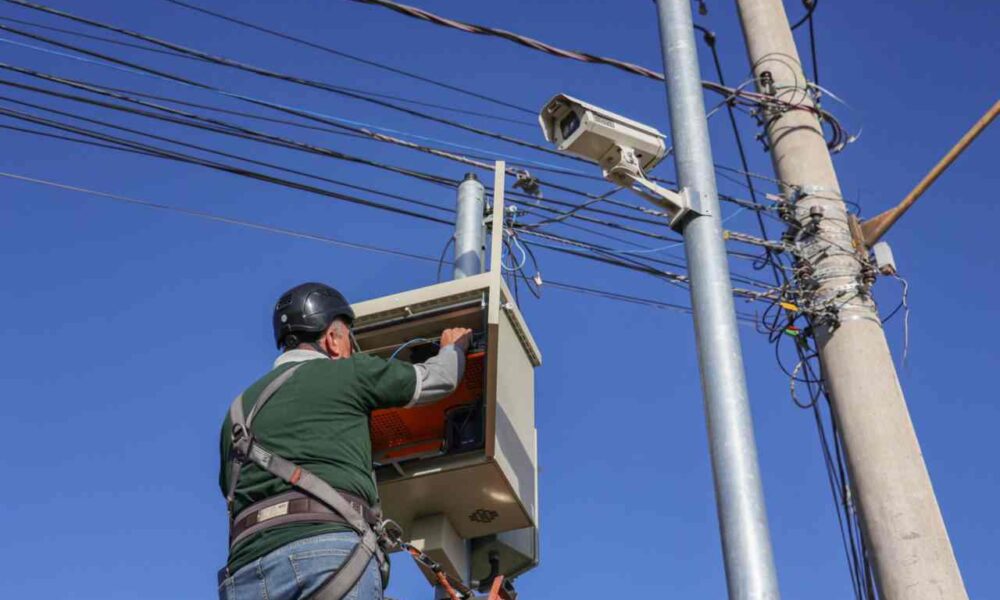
[(901, 521)]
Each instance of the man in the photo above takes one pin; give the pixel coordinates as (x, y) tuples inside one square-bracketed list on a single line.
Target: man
[(297, 458)]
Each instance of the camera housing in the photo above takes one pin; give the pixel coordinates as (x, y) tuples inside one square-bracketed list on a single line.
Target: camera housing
[(624, 149), (599, 135)]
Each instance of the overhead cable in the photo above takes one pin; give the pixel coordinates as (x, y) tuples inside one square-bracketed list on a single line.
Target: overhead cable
[(218, 218), (328, 240), (310, 115), (220, 166), (248, 68), (810, 8), (189, 119), (342, 54), (412, 11), (231, 155), (363, 92), (837, 143)]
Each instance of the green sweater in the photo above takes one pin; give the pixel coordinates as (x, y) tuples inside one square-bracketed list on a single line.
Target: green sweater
[(319, 420)]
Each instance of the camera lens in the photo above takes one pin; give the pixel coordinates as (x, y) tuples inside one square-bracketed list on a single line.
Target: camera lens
[(569, 124)]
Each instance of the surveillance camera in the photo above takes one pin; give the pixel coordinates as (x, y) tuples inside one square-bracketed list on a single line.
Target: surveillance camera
[(602, 136), (623, 148)]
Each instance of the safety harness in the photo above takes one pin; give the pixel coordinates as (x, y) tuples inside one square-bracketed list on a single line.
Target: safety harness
[(312, 500)]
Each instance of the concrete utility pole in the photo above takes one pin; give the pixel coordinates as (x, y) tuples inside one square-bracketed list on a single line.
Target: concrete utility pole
[(901, 521), (746, 542), (469, 228)]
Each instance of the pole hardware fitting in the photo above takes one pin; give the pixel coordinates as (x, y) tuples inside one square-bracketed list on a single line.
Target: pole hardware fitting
[(679, 206), (528, 183), (766, 82)]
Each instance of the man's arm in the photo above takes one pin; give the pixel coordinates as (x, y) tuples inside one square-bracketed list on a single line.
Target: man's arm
[(438, 376)]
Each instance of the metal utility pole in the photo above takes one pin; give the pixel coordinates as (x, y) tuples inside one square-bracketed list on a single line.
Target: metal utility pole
[(746, 542), (469, 228), (902, 524), (469, 260)]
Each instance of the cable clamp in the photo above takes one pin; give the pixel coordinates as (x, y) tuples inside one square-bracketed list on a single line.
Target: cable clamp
[(697, 201)]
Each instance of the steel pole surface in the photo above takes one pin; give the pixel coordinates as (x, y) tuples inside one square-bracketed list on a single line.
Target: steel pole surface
[(469, 228), (903, 528), (746, 543)]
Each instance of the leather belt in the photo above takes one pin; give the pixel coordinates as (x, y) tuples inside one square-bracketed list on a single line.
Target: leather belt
[(292, 507)]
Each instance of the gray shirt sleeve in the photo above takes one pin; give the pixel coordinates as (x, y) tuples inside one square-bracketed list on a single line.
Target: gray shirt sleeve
[(438, 376)]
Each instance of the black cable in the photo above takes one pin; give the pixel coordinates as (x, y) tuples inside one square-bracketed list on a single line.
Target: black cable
[(230, 155), (201, 122), (451, 240), (810, 6), (162, 153), (353, 57), (107, 92), (710, 40), (273, 106), (251, 69), (571, 287), (195, 58), (230, 129), (609, 256)]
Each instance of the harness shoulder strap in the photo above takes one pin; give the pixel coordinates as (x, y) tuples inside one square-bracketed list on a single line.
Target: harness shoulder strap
[(241, 435), (245, 448)]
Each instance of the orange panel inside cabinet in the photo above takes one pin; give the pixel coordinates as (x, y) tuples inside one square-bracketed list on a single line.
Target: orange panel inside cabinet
[(401, 433)]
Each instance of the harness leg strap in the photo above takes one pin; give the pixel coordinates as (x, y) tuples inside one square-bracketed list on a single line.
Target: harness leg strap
[(350, 572)]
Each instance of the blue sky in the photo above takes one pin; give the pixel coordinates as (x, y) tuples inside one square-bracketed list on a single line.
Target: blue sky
[(127, 331)]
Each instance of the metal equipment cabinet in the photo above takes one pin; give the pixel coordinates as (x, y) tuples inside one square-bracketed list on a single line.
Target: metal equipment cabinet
[(482, 477)]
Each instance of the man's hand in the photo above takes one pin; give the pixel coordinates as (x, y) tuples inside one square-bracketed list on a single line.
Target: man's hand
[(459, 336)]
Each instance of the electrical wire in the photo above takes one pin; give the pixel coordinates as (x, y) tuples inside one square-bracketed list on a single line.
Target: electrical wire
[(769, 257), (221, 61), (411, 11), (353, 57), (179, 157), (308, 115), (409, 343), (363, 92), (119, 198), (189, 119), (753, 97), (230, 129), (219, 218), (231, 155), (607, 256), (322, 118), (810, 7)]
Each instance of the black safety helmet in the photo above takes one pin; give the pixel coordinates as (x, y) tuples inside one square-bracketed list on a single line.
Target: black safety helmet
[(305, 311)]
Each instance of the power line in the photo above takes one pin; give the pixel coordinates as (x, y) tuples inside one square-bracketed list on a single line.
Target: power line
[(310, 115), (223, 127), (342, 54), (369, 93), (528, 42), (230, 155), (328, 240), (810, 6), (201, 122), (145, 149), (218, 218), (248, 68), (162, 153), (838, 141), (185, 118)]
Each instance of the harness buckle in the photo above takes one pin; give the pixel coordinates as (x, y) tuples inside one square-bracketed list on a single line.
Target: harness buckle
[(389, 534), (241, 442)]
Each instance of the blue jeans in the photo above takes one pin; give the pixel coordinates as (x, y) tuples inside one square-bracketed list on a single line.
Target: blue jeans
[(297, 569)]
